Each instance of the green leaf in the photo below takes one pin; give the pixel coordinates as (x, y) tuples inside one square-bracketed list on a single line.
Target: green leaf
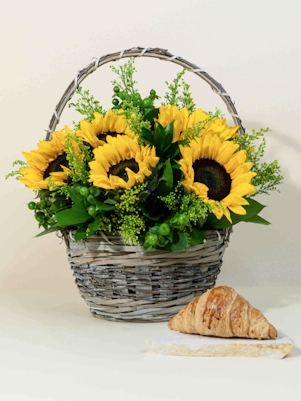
[(152, 184), (143, 195), (159, 138), (150, 116), (162, 241), (213, 222), (94, 226), (253, 209), (104, 206), (196, 237), (113, 196), (110, 202), (55, 209), (147, 245), (202, 221), (168, 136), (74, 195), (258, 220), (48, 231), (166, 181), (149, 216), (173, 150), (57, 205), (148, 135), (74, 216), (154, 229), (80, 234), (181, 243)]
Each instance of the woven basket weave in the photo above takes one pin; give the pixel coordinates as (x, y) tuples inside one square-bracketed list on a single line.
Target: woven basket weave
[(124, 282)]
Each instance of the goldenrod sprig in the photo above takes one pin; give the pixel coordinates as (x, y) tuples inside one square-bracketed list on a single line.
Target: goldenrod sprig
[(77, 162), (174, 97), (86, 105), (16, 173), (268, 175), (125, 73), (129, 218)]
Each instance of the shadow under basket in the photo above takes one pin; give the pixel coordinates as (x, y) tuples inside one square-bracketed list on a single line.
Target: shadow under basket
[(126, 283)]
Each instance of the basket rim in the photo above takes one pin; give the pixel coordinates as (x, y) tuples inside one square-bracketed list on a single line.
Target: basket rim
[(108, 246)]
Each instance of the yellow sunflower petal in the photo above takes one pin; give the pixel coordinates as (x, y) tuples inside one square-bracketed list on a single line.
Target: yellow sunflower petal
[(219, 126), (114, 155), (95, 132), (197, 116), (171, 113), (217, 174), (41, 162)]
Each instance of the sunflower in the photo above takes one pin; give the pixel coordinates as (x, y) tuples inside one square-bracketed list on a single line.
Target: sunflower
[(220, 127), (48, 164), (197, 116), (95, 132), (183, 122), (217, 173), (168, 114), (213, 125), (121, 162)]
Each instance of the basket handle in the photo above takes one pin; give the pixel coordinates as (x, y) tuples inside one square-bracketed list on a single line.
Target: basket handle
[(161, 54)]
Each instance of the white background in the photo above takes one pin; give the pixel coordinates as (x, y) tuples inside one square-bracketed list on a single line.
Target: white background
[(253, 48)]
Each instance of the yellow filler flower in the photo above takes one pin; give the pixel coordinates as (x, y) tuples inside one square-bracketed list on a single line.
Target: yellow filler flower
[(48, 164), (96, 131), (218, 174), (121, 162)]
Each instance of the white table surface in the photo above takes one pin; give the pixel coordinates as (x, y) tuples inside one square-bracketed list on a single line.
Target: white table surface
[(53, 349)]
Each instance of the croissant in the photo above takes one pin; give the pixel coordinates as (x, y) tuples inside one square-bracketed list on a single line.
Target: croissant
[(221, 312)]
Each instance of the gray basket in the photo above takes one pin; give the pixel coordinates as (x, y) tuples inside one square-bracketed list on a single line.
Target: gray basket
[(124, 282)]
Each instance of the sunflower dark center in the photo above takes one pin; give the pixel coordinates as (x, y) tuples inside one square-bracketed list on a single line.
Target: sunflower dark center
[(214, 176), (119, 169), (103, 136), (56, 164)]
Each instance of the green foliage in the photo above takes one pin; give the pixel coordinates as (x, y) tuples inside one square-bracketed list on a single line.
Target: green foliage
[(268, 175), (166, 182), (128, 100), (196, 210), (135, 119), (161, 137), (128, 215), (16, 173), (74, 216), (50, 204), (178, 93), (180, 200), (125, 73), (77, 161), (251, 216), (86, 105), (183, 215), (131, 228)]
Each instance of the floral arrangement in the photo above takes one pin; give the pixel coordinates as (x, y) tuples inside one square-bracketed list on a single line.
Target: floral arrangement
[(159, 176)]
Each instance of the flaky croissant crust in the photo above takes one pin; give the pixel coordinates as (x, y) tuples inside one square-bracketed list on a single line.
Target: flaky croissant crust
[(221, 312)]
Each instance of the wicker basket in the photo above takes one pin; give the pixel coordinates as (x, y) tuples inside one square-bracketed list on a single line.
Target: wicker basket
[(124, 282)]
